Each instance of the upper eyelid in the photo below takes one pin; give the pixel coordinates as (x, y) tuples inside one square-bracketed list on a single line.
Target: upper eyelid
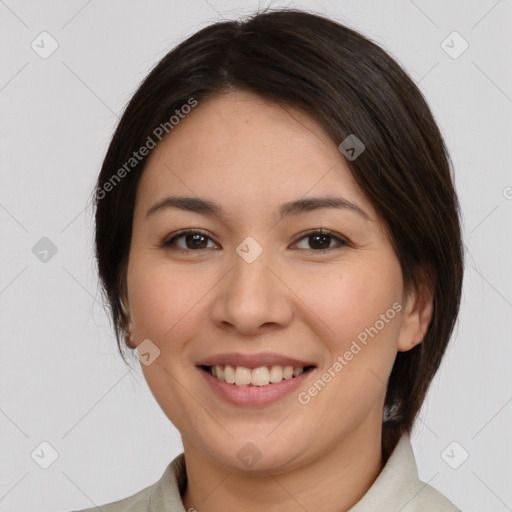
[(323, 231)]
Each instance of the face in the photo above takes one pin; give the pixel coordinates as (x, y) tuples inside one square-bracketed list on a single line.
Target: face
[(258, 286)]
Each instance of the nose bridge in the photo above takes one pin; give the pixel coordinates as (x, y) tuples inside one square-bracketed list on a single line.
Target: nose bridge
[(250, 266), (252, 295)]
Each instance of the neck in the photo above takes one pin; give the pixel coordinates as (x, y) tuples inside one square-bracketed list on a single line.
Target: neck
[(333, 482)]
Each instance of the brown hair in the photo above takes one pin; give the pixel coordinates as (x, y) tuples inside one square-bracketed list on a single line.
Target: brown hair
[(350, 86)]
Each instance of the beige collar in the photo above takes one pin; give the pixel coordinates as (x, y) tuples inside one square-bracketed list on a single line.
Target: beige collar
[(397, 488)]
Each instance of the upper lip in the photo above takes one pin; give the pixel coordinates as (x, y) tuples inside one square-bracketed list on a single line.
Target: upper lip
[(252, 361)]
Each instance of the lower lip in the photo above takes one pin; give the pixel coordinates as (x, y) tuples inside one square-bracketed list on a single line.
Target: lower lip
[(254, 395)]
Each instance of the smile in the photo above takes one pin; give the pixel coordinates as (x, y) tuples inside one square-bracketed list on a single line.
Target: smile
[(260, 376)]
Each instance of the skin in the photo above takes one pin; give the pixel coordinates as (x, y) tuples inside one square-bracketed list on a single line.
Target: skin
[(250, 156)]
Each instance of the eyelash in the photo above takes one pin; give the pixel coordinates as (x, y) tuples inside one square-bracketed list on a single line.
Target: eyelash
[(169, 243)]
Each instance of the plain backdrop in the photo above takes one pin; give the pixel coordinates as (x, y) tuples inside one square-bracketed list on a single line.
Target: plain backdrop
[(62, 381)]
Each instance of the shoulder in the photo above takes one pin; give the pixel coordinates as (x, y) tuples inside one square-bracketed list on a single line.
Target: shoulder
[(166, 492), (429, 499), (135, 503), (416, 495), (399, 488)]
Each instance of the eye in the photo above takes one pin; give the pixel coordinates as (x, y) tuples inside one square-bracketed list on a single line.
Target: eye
[(193, 239), (320, 240)]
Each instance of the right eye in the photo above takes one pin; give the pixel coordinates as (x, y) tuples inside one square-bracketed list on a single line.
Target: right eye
[(193, 240)]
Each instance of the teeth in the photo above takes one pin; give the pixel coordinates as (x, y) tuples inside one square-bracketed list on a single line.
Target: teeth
[(297, 371), (242, 376), (288, 372), (218, 372), (262, 376), (229, 374), (276, 374)]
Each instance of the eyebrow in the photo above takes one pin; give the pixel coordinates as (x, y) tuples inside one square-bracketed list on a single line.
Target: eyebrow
[(210, 208)]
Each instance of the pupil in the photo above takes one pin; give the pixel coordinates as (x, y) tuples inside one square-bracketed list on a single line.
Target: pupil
[(196, 238), (324, 237)]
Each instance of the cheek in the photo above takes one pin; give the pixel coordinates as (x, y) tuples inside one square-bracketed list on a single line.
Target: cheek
[(352, 300), (165, 305), (163, 301), (361, 308)]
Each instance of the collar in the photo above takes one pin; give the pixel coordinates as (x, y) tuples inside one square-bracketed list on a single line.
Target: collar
[(397, 488)]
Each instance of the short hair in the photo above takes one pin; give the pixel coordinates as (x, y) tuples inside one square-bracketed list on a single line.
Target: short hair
[(350, 86)]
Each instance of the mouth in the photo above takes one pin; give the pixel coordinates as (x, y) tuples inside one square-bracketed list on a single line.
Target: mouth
[(267, 375), (254, 380)]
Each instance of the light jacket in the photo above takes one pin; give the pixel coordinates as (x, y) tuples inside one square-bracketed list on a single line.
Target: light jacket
[(397, 488)]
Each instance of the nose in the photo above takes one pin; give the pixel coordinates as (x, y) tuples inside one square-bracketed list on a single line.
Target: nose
[(252, 298)]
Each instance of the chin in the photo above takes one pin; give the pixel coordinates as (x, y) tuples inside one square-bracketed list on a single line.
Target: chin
[(257, 455)]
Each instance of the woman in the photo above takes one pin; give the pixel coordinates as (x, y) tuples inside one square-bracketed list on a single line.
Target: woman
[(278, 236)]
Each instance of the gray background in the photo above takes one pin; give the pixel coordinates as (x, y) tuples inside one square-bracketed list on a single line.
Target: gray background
[(61, 378)]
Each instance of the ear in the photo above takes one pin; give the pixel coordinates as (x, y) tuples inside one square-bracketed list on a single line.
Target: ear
[(417, 313), (128, 324)]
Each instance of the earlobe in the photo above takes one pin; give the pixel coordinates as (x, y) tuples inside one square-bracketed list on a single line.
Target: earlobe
[(128, 336), (416, 318)]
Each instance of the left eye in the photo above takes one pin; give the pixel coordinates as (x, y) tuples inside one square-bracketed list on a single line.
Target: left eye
[(195, 240), (322, 238)]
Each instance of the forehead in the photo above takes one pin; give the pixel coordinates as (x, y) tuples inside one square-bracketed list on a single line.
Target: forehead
[(249, 151)]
